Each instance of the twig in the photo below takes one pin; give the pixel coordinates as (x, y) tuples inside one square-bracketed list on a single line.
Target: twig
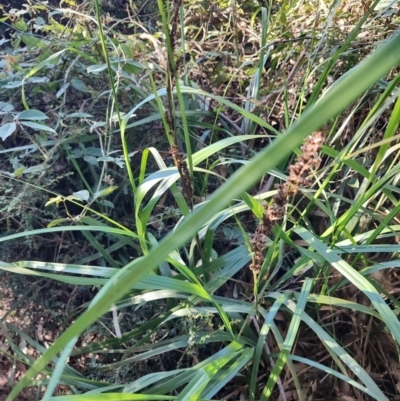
[(116, 322)]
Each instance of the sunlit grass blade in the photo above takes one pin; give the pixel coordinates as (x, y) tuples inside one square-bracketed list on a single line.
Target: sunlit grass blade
[(194, 388), (225, 376), (60, 366), (222, 356)]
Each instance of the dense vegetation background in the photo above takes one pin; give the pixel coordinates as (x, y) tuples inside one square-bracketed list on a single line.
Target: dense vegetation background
[(199, 200)]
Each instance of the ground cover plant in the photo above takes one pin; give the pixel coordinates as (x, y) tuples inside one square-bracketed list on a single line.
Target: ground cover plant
[(200, 201)]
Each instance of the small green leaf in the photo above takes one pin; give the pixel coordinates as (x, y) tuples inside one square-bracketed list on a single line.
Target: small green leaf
[(31, 41), (79, 115), (6, 107), (63, 88), (38, 127), (82, 195), (38, 80), (96, 69), (79, 85), (76, 153), (107, 159), (21, 25), (94, 151), (57, 222), (132, 67), (40, 21), (7, 130), (32, 115), (107, 203), (12, 85), (91, 160), (105, 192), (19, 171)]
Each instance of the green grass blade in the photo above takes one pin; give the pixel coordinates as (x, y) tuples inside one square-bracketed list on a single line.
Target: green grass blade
[(355, 278), (289, 341), (269, 318)]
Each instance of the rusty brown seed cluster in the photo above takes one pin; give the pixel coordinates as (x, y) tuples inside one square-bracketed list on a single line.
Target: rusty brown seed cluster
[(174, 21), (274, 212), (182, 167)]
